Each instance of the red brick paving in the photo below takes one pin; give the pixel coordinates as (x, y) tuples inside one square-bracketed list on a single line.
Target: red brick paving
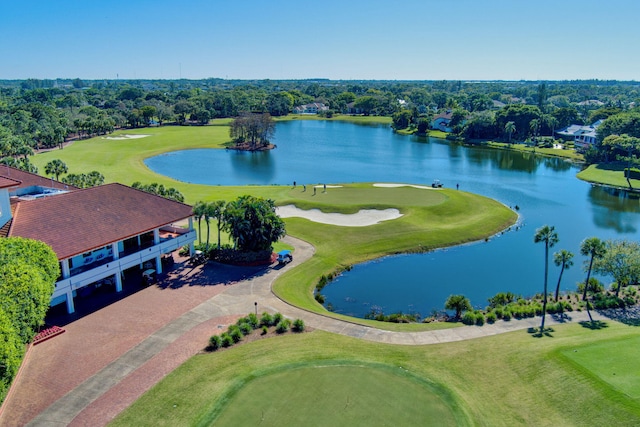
[(57, 366)]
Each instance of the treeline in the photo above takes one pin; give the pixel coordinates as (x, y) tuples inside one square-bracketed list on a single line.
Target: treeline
[(38, 114)]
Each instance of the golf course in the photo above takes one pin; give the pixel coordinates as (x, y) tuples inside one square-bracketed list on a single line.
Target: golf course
[(574, 375)]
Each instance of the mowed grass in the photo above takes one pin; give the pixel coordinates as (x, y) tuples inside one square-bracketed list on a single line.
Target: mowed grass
[(503, 380), (614, 362), (350, 394), (608, 174)]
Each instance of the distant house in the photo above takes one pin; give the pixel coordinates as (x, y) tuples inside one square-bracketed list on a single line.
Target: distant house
[(98, 234), (441, 121), (352, 109), (313, 108), (582, 136)]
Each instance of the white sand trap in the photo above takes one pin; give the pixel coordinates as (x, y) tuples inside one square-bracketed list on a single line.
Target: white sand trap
[(121, 137), (363, 218), (390, 185)]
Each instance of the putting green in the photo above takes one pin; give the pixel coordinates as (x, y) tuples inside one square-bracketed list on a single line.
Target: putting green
[(336, 395), (613, 362)]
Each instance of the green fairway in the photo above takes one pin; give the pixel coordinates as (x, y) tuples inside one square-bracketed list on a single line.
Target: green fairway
[(503, 380), (334, 395), (613, 362)]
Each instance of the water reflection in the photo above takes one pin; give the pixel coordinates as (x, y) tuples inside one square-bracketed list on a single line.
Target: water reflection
[(614, 209), (247, 165)]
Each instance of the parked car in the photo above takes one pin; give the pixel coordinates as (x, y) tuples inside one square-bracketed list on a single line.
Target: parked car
[(284, 257)]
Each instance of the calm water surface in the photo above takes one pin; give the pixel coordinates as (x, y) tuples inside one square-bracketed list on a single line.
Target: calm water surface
[(545, 190)]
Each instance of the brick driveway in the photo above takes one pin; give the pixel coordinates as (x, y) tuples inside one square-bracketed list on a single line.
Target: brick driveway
[(57, 366)]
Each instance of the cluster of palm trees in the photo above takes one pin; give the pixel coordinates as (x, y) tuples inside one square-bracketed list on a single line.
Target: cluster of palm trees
[(592, 247), (207, 211)]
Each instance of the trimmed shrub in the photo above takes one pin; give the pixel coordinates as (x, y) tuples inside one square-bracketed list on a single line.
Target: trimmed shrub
[(469, 318), (283, 326), (506, 315), (246, 328), (491, 317), (479, 318), (298, 325), (252, 319), (319, 297), (266, 319), (227, 341), (277, 318), (215, 342), (265, 330), (235, 333)]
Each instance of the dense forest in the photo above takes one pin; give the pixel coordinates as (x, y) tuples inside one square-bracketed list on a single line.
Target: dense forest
[(41, 114)]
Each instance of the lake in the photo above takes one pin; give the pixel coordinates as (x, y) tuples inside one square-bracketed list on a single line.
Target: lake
[(545, 189)]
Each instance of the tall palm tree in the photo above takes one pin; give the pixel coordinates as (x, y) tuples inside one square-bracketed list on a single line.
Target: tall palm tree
[(56, 167), (510, 128), (563, 259), (593, 248), (218, 209), (547, 235), (198, 213), (207, 214)]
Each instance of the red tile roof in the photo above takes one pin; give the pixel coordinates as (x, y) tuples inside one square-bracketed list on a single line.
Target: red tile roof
[(28, 179), (8, 182), (82, 220)]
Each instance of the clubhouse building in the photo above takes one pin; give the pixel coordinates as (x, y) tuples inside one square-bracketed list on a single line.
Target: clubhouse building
[(99, 234)]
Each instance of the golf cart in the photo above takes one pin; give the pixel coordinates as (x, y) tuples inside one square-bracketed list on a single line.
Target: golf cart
[(436, 183), (284, 257), (149, 277)]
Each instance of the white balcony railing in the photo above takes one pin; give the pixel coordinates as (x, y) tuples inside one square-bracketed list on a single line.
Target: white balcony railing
[(116, 266)]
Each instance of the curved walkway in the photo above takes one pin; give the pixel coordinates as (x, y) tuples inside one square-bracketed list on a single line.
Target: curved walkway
[(119, 382)]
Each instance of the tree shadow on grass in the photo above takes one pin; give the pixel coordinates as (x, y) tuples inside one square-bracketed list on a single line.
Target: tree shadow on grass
[(594, 325), (536, 333)]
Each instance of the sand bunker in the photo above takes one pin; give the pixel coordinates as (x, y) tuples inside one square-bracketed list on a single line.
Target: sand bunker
[(363, 218), (121, 137), (389, 185)]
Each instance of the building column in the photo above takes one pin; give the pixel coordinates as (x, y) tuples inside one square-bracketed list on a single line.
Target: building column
[(156, 236), (70, 307), (66, 273), (114, 249), (159, 264), (191, 245), (118, 282)]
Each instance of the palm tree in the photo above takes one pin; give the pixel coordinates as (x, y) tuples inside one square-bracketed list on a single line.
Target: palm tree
[(593, 248), (207, 214), (510, 128), (55, 167), (562, 258), (217, 211), (547, 235), (459, 303), (198, 213)]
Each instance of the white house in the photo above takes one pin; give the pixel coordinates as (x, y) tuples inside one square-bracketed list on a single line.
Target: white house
[(583, 136), (313, 108), (97, 233)]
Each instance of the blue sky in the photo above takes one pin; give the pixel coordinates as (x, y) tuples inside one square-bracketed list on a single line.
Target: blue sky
[(335, 39)]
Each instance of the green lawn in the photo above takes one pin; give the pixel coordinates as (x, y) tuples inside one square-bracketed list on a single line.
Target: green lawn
[(292, 396), (503, 380), (611, 174), (614, 362), (551, 152)]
